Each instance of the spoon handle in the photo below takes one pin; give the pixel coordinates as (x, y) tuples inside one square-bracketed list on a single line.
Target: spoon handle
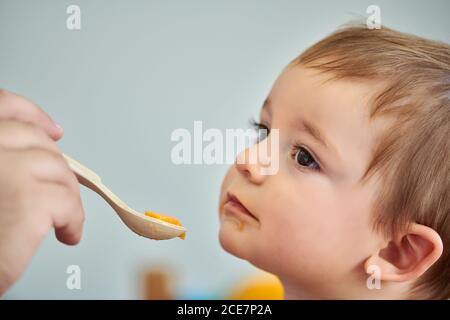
[(82, 171), (91, 180)]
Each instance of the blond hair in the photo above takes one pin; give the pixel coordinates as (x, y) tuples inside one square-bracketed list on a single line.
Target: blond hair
[(413, 155)]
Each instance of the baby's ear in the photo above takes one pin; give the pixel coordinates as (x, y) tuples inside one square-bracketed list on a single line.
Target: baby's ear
[(408, 256)]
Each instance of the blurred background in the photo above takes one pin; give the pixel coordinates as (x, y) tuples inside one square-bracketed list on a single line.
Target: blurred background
[(135, 72)]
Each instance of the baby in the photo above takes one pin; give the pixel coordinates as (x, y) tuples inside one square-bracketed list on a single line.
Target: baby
[(360, 204), (357, 207)]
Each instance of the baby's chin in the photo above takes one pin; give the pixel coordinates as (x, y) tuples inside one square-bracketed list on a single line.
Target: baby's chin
[(236, 237)]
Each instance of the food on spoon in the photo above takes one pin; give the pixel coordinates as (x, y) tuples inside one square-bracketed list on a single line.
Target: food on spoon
[(167, 219)]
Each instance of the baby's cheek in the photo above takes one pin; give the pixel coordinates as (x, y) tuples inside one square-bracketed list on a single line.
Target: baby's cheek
[(296, 244), (276, 245)]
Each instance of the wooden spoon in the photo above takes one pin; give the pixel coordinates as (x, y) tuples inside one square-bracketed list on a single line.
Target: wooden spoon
[(138, 222)]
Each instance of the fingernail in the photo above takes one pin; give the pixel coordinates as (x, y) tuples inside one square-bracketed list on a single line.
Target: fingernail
[(58, 126)]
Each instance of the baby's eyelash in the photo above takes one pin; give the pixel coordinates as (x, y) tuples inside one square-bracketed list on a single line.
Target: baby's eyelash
[(258, 125), (298, 147), (262, 131)]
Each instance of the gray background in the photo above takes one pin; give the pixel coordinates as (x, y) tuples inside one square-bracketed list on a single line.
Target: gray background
[(136, 71)]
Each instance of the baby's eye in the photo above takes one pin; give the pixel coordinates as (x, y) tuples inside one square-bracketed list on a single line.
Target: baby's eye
[(303, 158), (262, 130)]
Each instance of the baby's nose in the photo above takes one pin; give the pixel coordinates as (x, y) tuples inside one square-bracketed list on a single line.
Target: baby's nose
[(247, 163)]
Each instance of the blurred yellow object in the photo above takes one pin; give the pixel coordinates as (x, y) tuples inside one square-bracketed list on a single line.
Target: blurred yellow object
[(261, 286)]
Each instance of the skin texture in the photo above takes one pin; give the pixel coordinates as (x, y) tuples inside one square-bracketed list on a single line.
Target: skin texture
[(313, 228), (38, 191)]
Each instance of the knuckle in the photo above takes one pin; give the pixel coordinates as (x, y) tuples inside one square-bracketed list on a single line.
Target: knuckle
[(50, 157), (69, 177), (54, 165), (13, 127), (33, 129)]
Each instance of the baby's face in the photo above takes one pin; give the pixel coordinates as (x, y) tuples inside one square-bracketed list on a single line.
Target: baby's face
[(310, 223)]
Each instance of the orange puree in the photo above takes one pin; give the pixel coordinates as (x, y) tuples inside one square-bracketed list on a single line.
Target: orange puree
[(165, 218)]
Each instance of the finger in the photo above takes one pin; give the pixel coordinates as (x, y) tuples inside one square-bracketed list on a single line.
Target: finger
[(70, 233), (48, 166), (69, 223), (21, 135), (15, 107), (66, 210)]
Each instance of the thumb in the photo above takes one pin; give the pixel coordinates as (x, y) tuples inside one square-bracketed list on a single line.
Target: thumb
[(15, 107)]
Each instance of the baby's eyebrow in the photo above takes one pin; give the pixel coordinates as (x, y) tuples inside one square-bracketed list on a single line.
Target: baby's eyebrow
[(308, 127), (316, 134)]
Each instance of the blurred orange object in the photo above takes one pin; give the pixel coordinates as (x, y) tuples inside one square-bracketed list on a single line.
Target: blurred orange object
[(157, 285), (260, 286)]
